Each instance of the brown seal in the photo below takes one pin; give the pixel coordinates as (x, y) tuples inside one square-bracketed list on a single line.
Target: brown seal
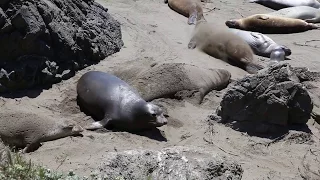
[(189, 8), (222, 44), (270, 24)]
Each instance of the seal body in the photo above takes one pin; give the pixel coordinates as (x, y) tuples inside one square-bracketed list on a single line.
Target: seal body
[(270, 24), (27, 130), (166, 80), (188, 8), (280, 4), (307, 13), (263, 45), (222, 44), (116, 104)]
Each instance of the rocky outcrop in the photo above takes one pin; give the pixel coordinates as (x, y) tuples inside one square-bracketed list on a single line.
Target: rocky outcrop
[(264, 102), (176, 163), (44, 41)]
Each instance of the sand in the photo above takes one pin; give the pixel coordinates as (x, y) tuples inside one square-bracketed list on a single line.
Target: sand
[(153, 33)]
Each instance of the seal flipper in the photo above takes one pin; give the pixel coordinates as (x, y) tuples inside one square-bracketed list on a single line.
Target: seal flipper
[(312, 20), (193, 18), (31, 147), (253, 68), (98, 125), (192, 44)]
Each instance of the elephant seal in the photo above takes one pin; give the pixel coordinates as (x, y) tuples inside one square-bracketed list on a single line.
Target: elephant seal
[(167, 80), (263, 45), (188, 8), (28, 130), (280, 4), (222, 44), (116, 103), (269, 24), (307, 13)]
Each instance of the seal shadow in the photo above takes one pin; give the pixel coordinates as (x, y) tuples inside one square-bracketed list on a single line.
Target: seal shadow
[(30, 92), (153, 133), (272, 5)]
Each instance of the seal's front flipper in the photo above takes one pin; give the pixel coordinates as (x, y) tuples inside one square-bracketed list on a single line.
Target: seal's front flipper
[(31, 147), (192, 44), (98, 125), (193, 18), (253, 68)]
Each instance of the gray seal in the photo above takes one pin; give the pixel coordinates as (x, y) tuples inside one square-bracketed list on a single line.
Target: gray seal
[(307, 13), (117, 105), (280, 4), (263, 45)]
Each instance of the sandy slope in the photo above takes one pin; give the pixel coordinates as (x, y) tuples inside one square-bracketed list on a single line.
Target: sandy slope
[(153, 33)]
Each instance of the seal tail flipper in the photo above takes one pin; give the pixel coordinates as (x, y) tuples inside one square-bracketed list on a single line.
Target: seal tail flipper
[(314, 26), (253, 68), (252, 1), (193, 18), (312, 20), (98, 125)]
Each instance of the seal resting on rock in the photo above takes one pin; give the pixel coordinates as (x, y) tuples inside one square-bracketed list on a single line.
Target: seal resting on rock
[(116, 104), (270, 24), (280, 4), (222, 44), (167, 79), (28, 130), (307, 13), (188, 8), (263, 45)]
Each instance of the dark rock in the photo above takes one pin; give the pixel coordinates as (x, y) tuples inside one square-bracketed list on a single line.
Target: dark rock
[(45, 41), (176, 163), (267, 101)]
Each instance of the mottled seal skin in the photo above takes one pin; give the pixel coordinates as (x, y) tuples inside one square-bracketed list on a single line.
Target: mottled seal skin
[(27, 130), (280, 4), (167, 79), (269, 24), (222, 44), (188, 8), (263, 45), (307, 13), (116, 104)]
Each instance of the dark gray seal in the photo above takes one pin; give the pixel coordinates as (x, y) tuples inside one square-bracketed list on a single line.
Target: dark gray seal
[(117, 105), (280, 4)]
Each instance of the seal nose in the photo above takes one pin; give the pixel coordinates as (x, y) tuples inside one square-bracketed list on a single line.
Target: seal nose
[(231, 23), (161, 120)]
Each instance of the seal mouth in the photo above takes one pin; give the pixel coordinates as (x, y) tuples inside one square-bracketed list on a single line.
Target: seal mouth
[(286, 50), (160, 120), (232, 23)]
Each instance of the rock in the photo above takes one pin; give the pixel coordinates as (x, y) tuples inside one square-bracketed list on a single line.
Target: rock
[(4, 154), (262, 103), (45, 41), (175, 163)]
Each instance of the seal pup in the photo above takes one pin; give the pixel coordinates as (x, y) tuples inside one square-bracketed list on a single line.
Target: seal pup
[(170, 79), (222, 44), (188, 8), (307, 13), (28, 130), (270, 24), (280, 4), (116, 103), (263, 45)]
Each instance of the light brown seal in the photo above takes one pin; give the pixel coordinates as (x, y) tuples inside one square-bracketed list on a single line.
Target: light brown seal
[(28, 130), (222, 44), (188, 8), (166, 80), (270, 24)]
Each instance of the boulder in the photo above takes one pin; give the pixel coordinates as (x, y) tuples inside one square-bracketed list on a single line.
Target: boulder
[(263, 102), (45, 41), (175, 163)]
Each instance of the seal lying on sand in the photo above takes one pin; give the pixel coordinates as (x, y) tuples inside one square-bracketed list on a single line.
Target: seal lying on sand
[(222, 44), (280, 4), (189, 8), (269, 24), (307, 13), (263, 45), (166, 80), (117, 104), (27, 130)]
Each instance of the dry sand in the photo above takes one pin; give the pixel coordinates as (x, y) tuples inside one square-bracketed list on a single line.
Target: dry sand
[(153, 33)]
